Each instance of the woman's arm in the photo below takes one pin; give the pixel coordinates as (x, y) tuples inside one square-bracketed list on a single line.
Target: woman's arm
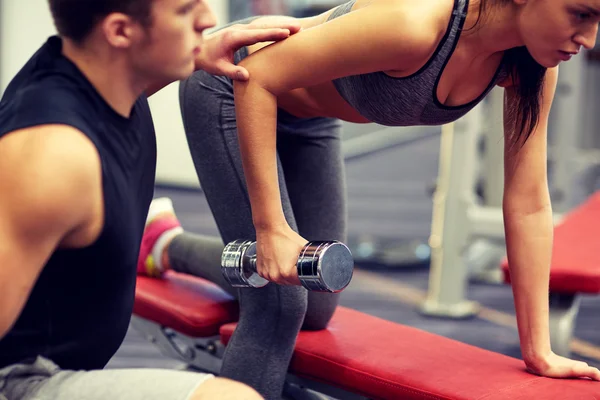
[(377, 37), (529, 225), (374, 38), (529, 234)]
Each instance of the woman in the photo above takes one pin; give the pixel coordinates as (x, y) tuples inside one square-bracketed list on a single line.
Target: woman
[(270, 164)]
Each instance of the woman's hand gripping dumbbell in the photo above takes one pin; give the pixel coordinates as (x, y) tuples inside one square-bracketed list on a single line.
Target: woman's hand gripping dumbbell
[(323, 266)]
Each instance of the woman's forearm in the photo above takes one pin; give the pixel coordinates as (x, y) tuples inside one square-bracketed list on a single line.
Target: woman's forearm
[(256, 112), (529, 247)]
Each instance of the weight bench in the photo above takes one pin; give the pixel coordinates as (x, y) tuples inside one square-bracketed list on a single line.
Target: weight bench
[(358, 356), (575, 269)]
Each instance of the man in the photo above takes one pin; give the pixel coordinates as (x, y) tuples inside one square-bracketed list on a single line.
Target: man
[(77, 167)]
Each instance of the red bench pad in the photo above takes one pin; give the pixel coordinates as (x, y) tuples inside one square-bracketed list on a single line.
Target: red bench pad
[(575, 264), (385, 360), (187, 304)]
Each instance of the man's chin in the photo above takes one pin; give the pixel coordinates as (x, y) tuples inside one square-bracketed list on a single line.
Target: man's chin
[(185, 72)]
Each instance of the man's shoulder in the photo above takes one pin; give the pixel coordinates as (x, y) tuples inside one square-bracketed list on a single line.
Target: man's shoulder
[(49, 88), (47, 163), (43, 100), (48, 147)]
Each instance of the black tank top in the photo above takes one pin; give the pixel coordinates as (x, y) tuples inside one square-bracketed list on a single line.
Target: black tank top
[(79, 310)]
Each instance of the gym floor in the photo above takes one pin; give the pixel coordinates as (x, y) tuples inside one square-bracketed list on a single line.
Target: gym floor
[(388, 197)]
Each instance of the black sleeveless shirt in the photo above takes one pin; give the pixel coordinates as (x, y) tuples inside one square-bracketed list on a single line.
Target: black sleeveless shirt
[(79, 310)]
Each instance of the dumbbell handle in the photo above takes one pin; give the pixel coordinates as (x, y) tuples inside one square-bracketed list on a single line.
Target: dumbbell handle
[(324, 266), (252, 260)]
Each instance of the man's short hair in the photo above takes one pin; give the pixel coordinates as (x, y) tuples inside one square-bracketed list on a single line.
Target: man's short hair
[(75, 19)]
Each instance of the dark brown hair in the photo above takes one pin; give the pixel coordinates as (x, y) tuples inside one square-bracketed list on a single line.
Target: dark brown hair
[(75, 19), (528, 76)]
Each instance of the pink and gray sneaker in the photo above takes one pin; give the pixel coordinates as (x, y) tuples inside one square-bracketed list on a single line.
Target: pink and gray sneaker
[(162, 226)]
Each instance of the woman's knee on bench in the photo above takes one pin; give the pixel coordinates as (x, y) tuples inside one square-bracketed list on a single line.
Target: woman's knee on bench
[(274, 305), (289, 306), (320, 310)]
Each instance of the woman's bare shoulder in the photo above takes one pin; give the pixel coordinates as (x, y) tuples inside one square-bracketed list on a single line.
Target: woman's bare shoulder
[(383, 35), (431, 16), (423, 22)]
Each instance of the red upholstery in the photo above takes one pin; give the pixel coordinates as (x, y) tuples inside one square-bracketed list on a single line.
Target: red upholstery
[(576, 251), (187, 304), (364, 354), (385, 360)]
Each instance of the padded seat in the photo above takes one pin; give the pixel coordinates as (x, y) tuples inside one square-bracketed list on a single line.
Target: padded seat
[(575, 264), (385, 360), (187, 304), (361, 353)]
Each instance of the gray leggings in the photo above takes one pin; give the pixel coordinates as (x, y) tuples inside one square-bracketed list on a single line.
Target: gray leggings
[(312, 183)]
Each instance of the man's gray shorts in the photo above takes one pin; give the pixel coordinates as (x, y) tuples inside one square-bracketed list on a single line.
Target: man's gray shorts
[(43, 380)]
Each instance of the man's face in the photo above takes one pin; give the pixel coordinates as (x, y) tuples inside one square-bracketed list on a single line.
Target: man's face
[(173, 40)]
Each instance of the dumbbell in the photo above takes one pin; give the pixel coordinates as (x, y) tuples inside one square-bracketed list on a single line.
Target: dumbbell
[(323, 266)]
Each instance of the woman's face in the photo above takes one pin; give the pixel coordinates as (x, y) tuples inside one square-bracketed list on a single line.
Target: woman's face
[(554, 30)]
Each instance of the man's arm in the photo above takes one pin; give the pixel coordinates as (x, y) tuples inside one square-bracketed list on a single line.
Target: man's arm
[(50, 186), (219, 47)]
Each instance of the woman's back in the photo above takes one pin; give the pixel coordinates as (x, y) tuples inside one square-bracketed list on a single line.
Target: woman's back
[(392, 96)]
